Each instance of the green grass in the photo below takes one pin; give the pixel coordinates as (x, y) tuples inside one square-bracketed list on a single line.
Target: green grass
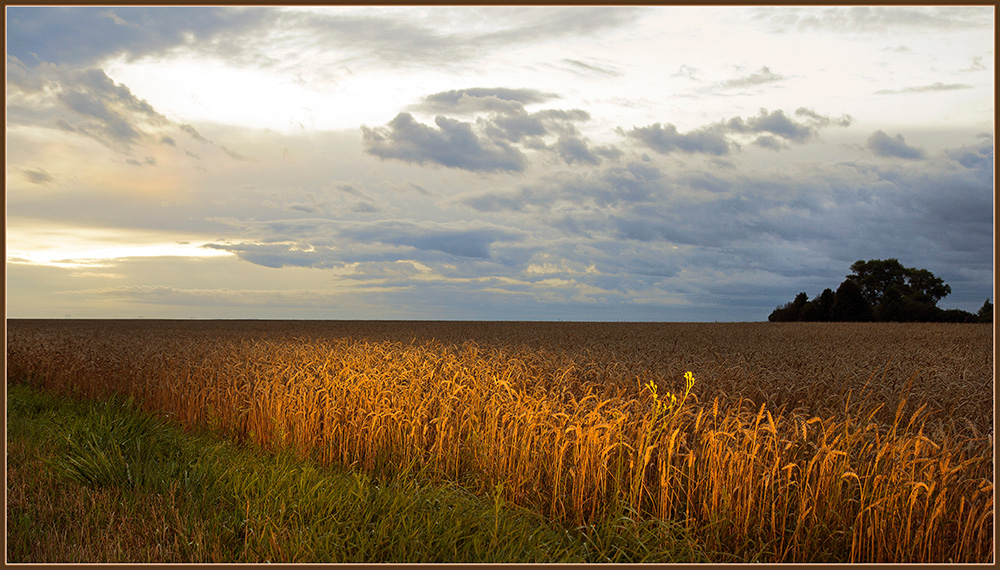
[(101, 481)]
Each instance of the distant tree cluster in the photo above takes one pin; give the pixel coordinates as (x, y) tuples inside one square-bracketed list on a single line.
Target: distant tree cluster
[(881, 290)]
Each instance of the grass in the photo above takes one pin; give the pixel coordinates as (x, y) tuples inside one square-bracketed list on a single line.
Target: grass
[(101, 481)]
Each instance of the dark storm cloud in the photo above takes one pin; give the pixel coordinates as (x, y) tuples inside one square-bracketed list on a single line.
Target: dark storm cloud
[(452, 144), (38, 176), (481, 99), (894, 147), (937, 86), (87, 35)]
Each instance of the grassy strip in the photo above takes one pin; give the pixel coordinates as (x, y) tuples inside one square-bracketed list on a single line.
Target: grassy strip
[(92, 481)]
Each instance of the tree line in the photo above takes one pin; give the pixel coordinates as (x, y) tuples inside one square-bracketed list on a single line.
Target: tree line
[(881, 290)]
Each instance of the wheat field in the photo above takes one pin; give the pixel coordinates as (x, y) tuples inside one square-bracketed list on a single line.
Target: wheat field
[(790, 442)]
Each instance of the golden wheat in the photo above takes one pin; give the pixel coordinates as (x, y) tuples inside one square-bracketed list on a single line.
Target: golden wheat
[(813, 442)]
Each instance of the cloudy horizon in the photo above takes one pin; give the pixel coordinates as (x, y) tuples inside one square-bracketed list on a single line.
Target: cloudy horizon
[(490, 163)]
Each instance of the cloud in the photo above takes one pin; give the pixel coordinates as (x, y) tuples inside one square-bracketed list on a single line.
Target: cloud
[(876, 19), (936, 86), (892, 147), (765, 75), (458, 239), (481, 99), (818, 121), (713, 139), (608, 187), (107, 109), (452, 144), (518, 126), (325, 243), (687, 71), (508, 122), (668, 139), (233, 154), (89, 35), (224, 297), (536, 24), (770, 143), (732, 231), (574, 149), (978, 156), (86, 102), (38, 176), (193, 133), (147, 161), (488, 145), (976, 65), (398, 41), (776, 123), (590, 69)]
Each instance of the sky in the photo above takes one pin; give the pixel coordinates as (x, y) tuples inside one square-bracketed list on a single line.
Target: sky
[(490, 163)]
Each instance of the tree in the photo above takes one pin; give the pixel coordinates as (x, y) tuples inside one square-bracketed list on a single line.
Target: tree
[(789, 311), (850, 304), (985, 313), (819, 308), (881, 290), (957, 316), (898, 293), (875, 277), (924, 282)]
